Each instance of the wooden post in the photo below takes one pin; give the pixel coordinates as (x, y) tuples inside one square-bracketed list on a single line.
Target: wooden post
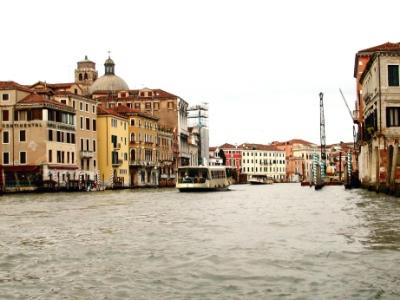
[(394, 164)]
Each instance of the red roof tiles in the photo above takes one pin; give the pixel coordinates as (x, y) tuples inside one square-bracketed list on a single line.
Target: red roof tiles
[(38, 99), (12, 85)]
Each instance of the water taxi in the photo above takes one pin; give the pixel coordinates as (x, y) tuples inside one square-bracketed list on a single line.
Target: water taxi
[(260, 179), (202, 178)]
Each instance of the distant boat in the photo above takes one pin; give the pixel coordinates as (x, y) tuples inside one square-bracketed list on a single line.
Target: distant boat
[(260, 179), (202, 178)]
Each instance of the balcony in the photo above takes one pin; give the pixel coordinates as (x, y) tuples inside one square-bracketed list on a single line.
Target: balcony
[(87, 154), (117, 146), (116, 163), (143, 163)]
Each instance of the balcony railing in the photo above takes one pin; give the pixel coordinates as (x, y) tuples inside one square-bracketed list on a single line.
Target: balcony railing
[(142, 163), (116, 163), (117, 146), (87, 154)]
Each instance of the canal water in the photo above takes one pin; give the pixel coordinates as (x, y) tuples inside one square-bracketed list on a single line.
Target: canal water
[(278, 241)]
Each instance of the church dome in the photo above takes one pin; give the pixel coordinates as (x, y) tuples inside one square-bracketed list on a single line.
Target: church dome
[(109, 81)]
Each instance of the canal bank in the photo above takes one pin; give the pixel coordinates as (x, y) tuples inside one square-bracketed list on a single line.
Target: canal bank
[(252, 242)]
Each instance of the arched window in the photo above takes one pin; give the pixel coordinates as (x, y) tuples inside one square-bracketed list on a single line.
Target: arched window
[(132, 137), (133, 155), (86, 76), (80, 76)]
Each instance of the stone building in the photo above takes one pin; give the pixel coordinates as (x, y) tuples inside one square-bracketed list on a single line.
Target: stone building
[(166, 156), (85, 109), (378, 88), (38, 139), (143, 147), (258, 159)]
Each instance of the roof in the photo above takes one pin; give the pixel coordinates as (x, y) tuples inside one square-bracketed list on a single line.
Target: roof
[(125, 110), (227, 146), (368, 52), (108, 82), (388, 46), (250, 146), (12, 85), (292, 142), (38, 99), (102, 111)]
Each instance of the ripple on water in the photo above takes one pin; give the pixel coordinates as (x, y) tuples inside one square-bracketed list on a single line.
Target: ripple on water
[(274, 242)]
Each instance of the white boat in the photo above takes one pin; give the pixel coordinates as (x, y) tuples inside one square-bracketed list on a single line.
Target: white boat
[(202, 178), (260, 179)]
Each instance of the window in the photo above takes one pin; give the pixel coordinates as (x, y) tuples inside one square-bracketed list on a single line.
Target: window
[(392, 116), (72, 157), (87, 145), (94, 125), (22, 136), (81, 119), (137, 105), (73, 104), (81, 144), (114, 140), (6, 158), (22, 157), (5, 97), (5, 115), (94, 146), (6, 137), (114, 123), (72, 138), (50, 156), (93, 109), (132, 122), (170, 105), (59, 136), (148, 105), (81, 106), (50, 135), (87, 123), (87, 107), (393, 75)]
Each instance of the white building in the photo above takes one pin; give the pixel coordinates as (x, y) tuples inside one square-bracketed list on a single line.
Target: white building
[(266, 160)]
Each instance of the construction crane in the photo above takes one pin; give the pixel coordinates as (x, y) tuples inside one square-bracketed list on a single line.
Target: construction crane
[(351, 116), (322, 126)]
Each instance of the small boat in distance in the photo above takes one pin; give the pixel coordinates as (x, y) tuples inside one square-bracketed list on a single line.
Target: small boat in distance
[(260, 179), (202, 178)]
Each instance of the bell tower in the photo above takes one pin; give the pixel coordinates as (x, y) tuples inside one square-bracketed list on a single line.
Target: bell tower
[(86, 73)]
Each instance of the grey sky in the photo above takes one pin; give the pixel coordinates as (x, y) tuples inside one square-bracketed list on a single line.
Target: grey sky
[(259, 64)]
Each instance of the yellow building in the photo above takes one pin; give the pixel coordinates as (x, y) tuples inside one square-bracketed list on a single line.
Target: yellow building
[(113, 147), (143, 148)]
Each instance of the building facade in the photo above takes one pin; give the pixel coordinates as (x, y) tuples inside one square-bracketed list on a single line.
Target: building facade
[(143, 147), (113, 148), (379, 119), (38, 140), (258, 159)]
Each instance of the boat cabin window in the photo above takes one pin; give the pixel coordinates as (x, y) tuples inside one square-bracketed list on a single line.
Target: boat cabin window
[(195, 175), (218, 174)]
